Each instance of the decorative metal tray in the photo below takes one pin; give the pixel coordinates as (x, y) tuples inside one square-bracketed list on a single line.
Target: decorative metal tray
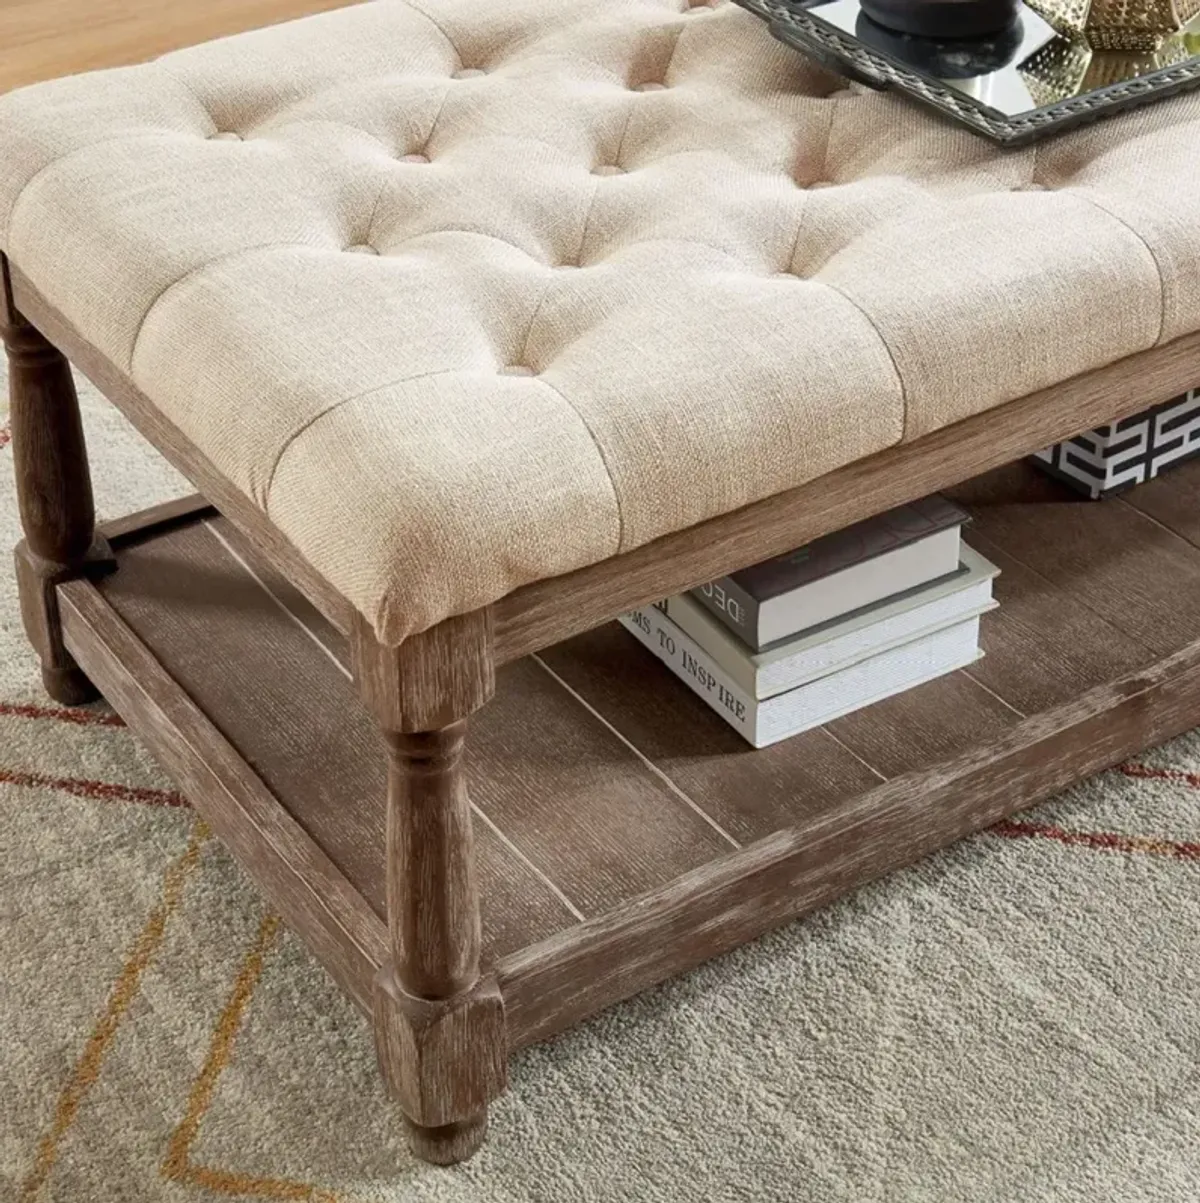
[(1013, 89)]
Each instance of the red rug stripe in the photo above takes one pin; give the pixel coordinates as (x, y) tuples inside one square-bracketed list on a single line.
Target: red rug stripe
[(1106, 841), (5, 437), (62, 714), (105, 791), (1145, 771)]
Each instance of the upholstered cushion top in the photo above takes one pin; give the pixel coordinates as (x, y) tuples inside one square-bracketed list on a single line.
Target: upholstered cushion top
[(467, 294)]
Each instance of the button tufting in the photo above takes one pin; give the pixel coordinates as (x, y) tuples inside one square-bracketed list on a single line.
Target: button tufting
[(477, 260)]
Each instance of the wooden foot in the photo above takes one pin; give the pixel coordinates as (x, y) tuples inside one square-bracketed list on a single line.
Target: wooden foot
[(449, 1144), (37, 586), (68, 686), (439, 1021), (54, 492), (443, 1059)]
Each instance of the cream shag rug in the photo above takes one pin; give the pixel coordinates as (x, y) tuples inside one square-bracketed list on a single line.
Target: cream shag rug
[(1015, 1020)]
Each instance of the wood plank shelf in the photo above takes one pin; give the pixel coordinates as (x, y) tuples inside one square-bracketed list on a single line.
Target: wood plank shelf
[(623, 832)]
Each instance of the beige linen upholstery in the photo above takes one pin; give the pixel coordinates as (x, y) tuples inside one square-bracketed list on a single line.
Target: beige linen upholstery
[(466, 294)]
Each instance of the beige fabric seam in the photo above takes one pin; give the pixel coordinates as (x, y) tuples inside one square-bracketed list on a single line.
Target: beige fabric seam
[(603, 460), (1162, 280), (316, 418), (886, 346)]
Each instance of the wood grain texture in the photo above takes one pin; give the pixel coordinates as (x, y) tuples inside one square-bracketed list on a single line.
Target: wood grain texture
[(625, 831), (439, 1030), (1044, 625), (292, 713), (431, 679), (300, 881), (37, 591), (749, 793), (579, 802), (44, 39), (144, 523), (54, 492), (433, 899), (552, 610), (917, 728), (446, 1060), (1108, 558), (180, 452), (1173, 500), (717, 907), (54, 484)]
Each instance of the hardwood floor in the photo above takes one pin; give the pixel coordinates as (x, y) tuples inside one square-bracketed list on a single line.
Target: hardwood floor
[(46, 38)]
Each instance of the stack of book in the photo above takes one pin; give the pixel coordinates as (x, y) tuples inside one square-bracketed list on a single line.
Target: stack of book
[(838, 624)]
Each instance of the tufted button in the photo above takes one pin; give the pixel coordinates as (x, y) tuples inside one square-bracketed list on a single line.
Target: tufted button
[(608, 169), (414, 158), (361, 248), (225, 136), (651, 87), (468, 73), (517, 369)]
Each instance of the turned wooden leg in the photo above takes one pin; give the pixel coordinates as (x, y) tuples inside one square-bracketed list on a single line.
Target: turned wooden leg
[(54, 493), (439, 1021)]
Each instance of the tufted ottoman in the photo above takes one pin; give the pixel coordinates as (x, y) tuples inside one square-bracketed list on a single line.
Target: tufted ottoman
[(477, 325)]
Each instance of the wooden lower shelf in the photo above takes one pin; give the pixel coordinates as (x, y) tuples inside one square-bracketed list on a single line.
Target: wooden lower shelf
[(624, 832)]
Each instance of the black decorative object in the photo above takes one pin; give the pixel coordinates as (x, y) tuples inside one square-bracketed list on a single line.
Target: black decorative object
[(1024, 82), (1113, 458), (966, 58), (944, 18)]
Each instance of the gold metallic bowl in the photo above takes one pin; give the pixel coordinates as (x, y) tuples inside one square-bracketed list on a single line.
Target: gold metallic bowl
[(1125, 25), (1068, 66)]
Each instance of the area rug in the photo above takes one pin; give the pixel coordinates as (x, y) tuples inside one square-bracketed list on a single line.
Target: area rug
[(1016, 1020)]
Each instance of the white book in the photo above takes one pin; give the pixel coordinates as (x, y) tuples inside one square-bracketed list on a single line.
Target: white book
[(820, 701), (838, 644)]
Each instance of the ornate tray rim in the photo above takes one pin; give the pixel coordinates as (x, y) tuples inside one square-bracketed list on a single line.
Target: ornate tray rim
[(840, 52)]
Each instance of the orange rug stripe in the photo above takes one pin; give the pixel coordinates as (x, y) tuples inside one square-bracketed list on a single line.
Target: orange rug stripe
[(63, 714), (1105, 841), (5, 436), (104, 791), (1145, 772), (176, 1165), (226, 1183), (87, 1069)]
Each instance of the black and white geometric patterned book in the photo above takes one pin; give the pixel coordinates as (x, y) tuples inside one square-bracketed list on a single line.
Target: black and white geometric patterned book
[(1116, 457)]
